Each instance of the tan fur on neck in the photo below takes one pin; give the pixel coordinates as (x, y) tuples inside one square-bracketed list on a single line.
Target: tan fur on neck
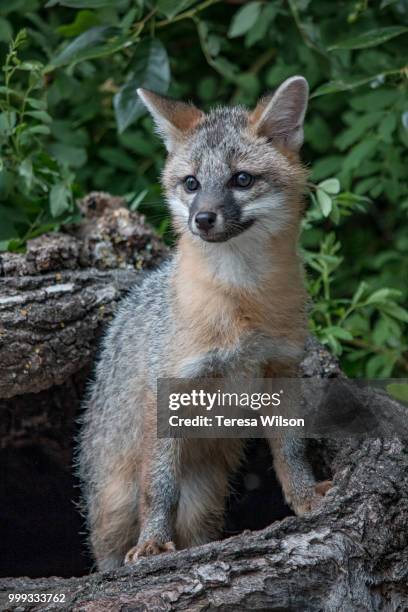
[(215, 314)]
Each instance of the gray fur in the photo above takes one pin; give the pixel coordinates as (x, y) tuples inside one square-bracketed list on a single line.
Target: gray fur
[(134, 354), (140, 490), (132, 349), (246, 358)]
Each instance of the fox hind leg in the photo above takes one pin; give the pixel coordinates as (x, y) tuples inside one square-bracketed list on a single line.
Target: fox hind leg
[(203, 492), (113, 520), (295, 475)]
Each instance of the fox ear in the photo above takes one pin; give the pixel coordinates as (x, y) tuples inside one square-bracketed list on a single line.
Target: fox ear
[(172, 118), (280, 116)]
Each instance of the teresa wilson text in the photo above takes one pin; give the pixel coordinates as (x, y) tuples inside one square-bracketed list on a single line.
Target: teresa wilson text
[(230, 426), (223, 421)]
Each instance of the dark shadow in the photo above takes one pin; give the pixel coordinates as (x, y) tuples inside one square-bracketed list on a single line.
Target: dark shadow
[(256, 500), (42, 532), (40, 527)]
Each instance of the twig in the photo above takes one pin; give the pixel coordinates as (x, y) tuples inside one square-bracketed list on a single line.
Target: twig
[(187, 14)]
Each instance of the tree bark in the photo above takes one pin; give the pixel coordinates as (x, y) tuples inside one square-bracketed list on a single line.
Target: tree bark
[(350, 554), (55, 298)]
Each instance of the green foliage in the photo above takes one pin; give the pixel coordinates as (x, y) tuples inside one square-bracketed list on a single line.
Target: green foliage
[(35, 189), (399, 391), (150, 70), (69, 112)]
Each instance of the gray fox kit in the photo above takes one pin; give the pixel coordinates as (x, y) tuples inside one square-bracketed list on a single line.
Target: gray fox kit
[(231, 298)]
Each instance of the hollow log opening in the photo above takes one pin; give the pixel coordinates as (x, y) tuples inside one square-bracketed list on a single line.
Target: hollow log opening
[(42, 532), (40, 528)]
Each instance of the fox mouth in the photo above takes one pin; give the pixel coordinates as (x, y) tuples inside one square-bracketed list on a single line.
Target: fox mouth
[(223, 236)]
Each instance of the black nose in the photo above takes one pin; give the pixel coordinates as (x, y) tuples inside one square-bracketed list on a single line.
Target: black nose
[(205, 220)]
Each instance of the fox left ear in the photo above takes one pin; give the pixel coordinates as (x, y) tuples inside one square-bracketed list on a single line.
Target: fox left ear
[(280, 116), (172, 118)]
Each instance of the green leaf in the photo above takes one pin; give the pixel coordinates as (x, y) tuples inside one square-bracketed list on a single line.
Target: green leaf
[(138, 143), (37, 104), (15, 214), (95, 42), (262, 24), (79, 3), (138, 199), (60, 199), (396, 312), (117, 158), (14, 245), (385, 3), (40, 115), (244, 19), (385, 330), (6, 31), (4, 245), (32, 66), (38, 129), (6, 90), (326, 166), (331, 186), (7, 229), (6, 183), (62, 130), (151, 70), (84, 20), (380, 366), (129, 17), (339, 332), (359, 153), (214, 45), (366, 185), (372, 38), (359, 292), (382, 295), (7, 123), (75, 157), (387, 127), (398, 390), (325, 202), (358, 128), (26, 172), (344, 84), (375, 100), (333, 343), (227, 68), (163, 227), (171, 8)]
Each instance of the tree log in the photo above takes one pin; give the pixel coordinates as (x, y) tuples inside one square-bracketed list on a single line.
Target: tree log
[(350, 554), (55, 298)]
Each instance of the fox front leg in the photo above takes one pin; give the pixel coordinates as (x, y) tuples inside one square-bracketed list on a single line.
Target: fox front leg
[(159, 496), (294, 472)]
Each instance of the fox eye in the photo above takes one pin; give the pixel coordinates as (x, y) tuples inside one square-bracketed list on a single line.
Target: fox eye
[(242, 180), (191, 183)]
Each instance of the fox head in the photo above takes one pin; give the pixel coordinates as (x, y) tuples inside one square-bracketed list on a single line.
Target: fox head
[(233, 170)]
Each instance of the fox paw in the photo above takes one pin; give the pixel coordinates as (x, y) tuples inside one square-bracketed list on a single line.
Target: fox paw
[(314, 499), (147, 549)]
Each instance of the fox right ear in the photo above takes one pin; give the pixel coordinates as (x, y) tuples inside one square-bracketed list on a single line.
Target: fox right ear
[(172, 118), (280, 117)]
